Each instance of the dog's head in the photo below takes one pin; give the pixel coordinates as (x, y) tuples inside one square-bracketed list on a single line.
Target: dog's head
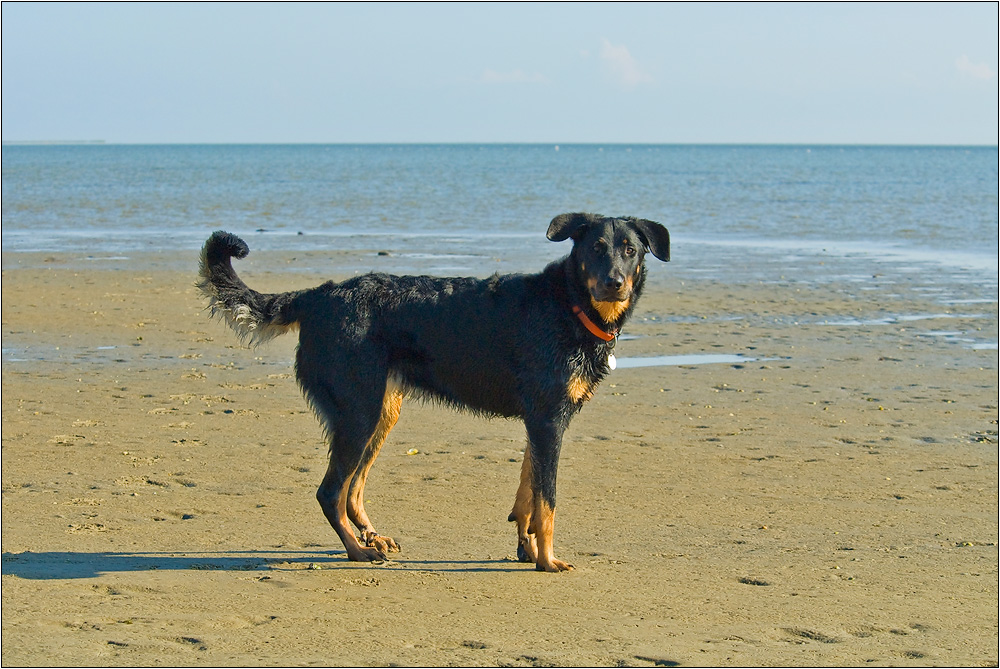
[(608, 255)]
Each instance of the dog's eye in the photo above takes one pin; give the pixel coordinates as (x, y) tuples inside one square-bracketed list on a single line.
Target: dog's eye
[(630, 251), (600, 246)]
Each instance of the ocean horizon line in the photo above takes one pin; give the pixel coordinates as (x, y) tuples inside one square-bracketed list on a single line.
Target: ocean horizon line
[(556, 144)]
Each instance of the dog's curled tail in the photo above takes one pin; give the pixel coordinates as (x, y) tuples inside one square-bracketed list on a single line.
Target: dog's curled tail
[(256, 317)]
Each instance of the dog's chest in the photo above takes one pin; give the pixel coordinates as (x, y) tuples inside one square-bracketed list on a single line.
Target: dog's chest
[(585, 375)]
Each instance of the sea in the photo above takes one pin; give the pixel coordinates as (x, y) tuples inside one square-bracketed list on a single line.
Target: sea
[(919, 218)]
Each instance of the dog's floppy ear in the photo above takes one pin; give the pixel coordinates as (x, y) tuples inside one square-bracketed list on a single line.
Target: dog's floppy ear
[(655, 236), (565, 226)]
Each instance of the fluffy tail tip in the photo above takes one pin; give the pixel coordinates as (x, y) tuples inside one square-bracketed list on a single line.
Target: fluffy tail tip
[(224, 244)]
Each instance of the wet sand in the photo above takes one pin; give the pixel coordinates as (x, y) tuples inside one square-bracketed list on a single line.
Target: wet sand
[(833, 502)]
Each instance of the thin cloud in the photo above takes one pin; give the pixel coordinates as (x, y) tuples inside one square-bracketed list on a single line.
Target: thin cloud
[(975, 70), (513, 77), (621, 66)]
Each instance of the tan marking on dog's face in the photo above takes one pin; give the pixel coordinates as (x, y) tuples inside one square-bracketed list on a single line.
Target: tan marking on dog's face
[(610, 311), (579, 389)]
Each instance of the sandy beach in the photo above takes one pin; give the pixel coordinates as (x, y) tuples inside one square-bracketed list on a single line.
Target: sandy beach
[(831, 500)]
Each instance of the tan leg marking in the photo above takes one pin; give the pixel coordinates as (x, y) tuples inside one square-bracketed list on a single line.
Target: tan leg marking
[(523, 505), (542, 522), (355, 551), (391, 404), (612, 311)]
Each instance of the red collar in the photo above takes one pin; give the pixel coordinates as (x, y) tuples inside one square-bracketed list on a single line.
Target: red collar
[(594, 329)]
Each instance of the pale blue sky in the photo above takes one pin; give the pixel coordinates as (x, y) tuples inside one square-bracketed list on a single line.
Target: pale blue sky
[(921, 73)]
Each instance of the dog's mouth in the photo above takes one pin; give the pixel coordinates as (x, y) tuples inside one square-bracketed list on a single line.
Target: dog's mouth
[(605, 293), (610, 296)]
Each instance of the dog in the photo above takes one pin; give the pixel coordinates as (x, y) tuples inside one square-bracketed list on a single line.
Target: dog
[(532, 347)]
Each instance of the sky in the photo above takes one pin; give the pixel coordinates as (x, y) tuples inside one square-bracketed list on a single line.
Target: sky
[(829, 73)]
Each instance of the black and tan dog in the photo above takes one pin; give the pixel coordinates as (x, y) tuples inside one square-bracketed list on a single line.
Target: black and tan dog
[(532, 347)]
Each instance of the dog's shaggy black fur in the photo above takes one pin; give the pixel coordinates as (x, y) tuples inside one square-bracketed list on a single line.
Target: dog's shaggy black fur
[(532, 347)]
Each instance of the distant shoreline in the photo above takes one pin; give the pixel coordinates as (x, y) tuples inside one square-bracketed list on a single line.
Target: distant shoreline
[(52, 142), (552, 145)]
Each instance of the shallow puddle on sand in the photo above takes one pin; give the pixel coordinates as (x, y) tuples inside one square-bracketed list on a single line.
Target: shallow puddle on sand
[(128, 354), (676, 360)]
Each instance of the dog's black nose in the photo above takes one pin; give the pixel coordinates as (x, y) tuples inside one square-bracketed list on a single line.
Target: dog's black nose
[(614, 282)]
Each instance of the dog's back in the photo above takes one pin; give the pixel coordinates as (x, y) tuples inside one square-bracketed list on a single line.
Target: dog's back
[(469, 342)]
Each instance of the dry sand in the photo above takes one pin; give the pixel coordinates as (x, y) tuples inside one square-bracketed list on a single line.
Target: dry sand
[(834, 504)]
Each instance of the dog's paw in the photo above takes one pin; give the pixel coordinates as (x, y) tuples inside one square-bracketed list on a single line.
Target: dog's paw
[(382, 544), (361, 554), (553, 566)]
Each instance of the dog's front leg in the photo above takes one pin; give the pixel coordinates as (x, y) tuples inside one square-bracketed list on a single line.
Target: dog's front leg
[(544, 444), (524, 505)]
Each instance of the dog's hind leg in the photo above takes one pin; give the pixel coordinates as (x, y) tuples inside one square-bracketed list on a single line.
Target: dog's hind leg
[(350, 433), (391, 403)]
